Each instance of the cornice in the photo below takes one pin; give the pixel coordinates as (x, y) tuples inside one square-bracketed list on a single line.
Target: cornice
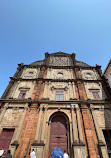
[(54, 80), (61, 67), (46, 101)]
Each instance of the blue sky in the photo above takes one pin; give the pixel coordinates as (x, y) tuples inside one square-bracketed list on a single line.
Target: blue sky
[(29, 28)]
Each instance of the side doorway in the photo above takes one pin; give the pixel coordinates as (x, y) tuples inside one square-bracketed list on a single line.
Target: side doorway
[(5, 138)]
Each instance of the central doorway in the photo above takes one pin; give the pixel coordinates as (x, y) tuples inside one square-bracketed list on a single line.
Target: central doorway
[(58, 134)]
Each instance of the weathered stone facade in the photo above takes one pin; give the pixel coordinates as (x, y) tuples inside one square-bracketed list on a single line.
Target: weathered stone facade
[(107, 72), (57, 86)]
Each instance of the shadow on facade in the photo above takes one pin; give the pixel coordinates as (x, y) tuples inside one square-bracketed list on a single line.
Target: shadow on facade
[(103, 115)]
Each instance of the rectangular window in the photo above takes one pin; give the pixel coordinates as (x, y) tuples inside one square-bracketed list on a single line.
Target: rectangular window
[(59, 95), (22, 94), (96, 95)]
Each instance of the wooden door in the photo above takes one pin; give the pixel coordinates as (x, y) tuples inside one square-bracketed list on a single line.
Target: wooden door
[(5, 138), (58, 134)]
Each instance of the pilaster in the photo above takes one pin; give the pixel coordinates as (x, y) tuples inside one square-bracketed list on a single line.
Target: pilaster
[(91, 138), (37, 135), (18, 130), (38, 144), (44, 124), (79, 123), (74, 125), (73, 90)]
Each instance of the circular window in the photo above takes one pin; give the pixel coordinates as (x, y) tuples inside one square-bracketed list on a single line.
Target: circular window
[(59, 74)]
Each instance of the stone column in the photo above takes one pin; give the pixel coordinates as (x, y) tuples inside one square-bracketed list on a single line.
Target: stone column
[(39, 152), (70, 89), (79, 123), (75, 134), (44, 125), (100, 136), (18, 131), (38, 125), (74, 124), (13, 149), (73, 89), (71, 132), (45, 90)]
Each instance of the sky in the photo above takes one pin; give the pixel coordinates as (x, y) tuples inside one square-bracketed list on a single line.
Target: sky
[(29, 28)]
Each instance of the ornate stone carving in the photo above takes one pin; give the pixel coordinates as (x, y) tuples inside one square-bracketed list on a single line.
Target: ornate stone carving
[(59, 61)]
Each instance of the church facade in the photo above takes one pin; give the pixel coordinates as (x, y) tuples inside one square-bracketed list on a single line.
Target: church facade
[(57, 102)]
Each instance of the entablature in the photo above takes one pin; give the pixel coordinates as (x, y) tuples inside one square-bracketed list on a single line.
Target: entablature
[(54, 80), (29, 101)]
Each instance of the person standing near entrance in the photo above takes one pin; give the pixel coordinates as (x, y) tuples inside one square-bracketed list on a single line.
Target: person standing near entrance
[(65, 154), (33, 155), (8, 154), (1, 152)]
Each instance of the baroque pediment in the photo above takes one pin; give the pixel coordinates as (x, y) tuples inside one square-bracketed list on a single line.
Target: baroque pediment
[(60, 54)]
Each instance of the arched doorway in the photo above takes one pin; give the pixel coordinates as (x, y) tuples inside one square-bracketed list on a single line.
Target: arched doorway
[(58, 133)]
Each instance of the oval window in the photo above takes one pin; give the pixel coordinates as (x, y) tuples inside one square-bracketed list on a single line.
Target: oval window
[(88, 75), (60, 74), (30, 72)]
